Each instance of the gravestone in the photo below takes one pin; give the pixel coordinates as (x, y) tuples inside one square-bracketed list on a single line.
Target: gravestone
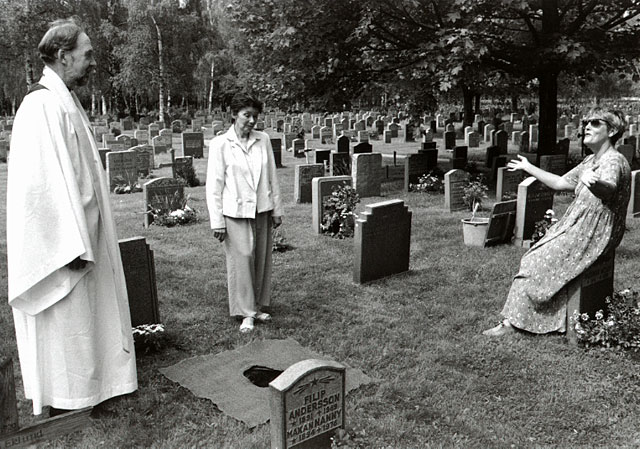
[(307, 405), (42, 431), (382, 241), (288, 138), (326, 135), (363, 147), (386, 136), (473, 140), (144, 159), (121, 168), (498, 162), (502, 140), (102, 152), (141, 135), (165, 194), (534, 198), (627, 151), (154, 130), (315, 132), (524, 142), (507, 183), (4, 148), (193, 144), (633, 209), (449, 140), (393, 127), (343, 144), (491, 153), (140, 276), (304, 174), (298, 147), (321, 189), (454, 183), (416, 165), (276, 146), (501, 223), (124, 139), (428, 146), (459, 157), (588, 292), (367, 174), (159, 145), (339, 164), (363, 136), (554, 163), (176, 126), (322, 157)]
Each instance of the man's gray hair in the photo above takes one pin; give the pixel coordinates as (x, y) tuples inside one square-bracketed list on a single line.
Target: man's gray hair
[(62, 35)]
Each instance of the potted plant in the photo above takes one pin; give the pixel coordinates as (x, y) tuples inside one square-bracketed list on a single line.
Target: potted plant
[(474, 229)]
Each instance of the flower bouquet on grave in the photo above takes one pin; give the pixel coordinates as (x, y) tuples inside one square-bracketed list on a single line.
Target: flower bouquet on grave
[(125, 185), (149, 338), (172, 212), (339, 215), (429, 182)]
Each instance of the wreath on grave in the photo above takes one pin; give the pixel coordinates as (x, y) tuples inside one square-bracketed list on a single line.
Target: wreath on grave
[(339, 216), (125, 186)]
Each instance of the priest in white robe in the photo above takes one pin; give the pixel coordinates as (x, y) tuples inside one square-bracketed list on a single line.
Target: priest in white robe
[(66, 282)]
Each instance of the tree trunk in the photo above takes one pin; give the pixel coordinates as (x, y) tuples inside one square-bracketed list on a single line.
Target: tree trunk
[(210, 103), (93, 103), (514, 103), (548, 98), (160, 70), (104, 105), (467, 101), (28, 69), (477, 103)]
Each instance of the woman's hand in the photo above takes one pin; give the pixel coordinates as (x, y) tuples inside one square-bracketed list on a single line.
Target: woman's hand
[(589, 177), (220, 233), (522, 164), (277, 221)]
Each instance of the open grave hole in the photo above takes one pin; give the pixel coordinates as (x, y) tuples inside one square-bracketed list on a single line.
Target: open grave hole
[(261, 376)]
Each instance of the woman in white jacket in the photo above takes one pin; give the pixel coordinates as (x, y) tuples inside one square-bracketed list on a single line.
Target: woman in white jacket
[(243, 198)]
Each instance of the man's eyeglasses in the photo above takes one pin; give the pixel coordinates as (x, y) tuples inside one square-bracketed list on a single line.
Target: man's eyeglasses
[(594, 122)]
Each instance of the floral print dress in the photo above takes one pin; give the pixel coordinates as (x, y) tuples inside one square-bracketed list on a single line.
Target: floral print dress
[(589, 228)]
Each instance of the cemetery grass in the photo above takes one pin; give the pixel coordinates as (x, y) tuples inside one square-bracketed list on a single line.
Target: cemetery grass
[(438, 381)]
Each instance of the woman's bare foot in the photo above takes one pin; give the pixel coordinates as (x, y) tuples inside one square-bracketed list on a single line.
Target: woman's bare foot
[(501, 329)]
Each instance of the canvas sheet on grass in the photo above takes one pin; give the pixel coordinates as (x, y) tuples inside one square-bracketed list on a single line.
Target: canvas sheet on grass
[(219, 377)]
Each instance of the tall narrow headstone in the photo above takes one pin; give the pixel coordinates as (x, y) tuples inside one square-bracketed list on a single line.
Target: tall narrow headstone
[(382, 241), (416, 165), (276, 146), (140, 276), (367, 174)]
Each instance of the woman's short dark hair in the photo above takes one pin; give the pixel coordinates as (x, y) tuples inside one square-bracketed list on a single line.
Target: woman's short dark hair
[(62, 35), (242, 100), (615, 120)]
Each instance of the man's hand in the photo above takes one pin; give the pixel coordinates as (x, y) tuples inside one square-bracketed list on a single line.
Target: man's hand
[(77, 264), (220, 234)]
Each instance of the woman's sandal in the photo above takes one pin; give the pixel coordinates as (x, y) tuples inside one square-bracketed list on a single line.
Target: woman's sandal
[(247, 325), (501, 329)]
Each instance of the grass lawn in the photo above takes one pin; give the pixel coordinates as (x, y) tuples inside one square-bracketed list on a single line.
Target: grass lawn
[(440, 383)]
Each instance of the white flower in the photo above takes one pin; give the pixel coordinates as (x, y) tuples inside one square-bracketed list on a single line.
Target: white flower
[(599, 315), (177, 213), (585, 317), (550, 212)]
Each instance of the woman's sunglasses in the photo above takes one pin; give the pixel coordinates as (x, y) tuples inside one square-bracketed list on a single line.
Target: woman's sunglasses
[(594, 122)]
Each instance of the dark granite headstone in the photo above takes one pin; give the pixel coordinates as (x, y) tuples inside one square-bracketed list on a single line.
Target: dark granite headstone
[(491, 153), (449, 140), (321, 156), (140, 275), (276, 145), (166, 194), (501, 223), (459, 157), (193, 144), (416, 165), (304, 174), (634, 202), (339, 164), (554, 163), (428, 146), (382, 241), (121, 168), (363, 147), (342, 144)]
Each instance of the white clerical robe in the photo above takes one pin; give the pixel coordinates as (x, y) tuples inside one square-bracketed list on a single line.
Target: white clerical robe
[(73, 328)]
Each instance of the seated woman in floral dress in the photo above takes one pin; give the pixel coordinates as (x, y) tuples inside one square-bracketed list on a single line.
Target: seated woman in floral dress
[(592, 226)]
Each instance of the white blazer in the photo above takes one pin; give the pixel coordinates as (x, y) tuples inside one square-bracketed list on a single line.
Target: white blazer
[(239, 185)]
